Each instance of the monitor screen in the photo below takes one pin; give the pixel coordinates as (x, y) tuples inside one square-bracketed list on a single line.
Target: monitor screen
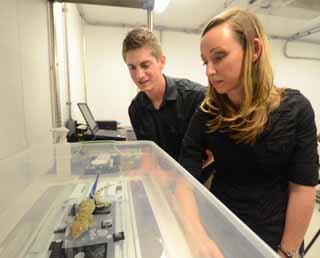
[(87, 115)]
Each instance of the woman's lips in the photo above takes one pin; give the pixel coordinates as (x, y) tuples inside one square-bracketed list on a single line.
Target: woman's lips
[(216, 82)]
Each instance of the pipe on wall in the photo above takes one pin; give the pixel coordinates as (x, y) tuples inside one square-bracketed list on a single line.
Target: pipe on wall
[(150, 19), (66, 45), (140, 4), (297, 36), (83, 52), (54, 80)]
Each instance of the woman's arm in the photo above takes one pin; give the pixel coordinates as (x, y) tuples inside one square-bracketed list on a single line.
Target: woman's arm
[(191, 158), (302, 176), (298, 216), (200, 243)]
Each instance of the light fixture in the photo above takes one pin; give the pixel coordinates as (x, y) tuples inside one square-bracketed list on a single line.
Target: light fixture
[(160, 5)]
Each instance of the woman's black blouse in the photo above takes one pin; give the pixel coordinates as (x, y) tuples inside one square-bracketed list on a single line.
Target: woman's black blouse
[(252, 180)]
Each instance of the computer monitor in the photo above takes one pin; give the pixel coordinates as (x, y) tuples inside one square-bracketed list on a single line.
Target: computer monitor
[(88, 116)]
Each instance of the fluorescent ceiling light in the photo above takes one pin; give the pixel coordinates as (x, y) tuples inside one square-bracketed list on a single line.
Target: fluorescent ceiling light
[(160, 5)]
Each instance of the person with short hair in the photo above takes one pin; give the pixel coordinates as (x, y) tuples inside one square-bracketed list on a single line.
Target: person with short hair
[(161, 111)]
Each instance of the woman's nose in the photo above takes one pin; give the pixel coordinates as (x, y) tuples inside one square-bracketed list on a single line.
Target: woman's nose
[(210, 69)]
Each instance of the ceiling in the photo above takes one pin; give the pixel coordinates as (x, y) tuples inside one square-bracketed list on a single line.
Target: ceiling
[(281, 18)]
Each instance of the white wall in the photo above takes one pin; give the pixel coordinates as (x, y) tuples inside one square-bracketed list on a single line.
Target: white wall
[(11, 99), (76, 70), (34, 47), (300, 74), (183, 56), (25, 108), (110, 88)]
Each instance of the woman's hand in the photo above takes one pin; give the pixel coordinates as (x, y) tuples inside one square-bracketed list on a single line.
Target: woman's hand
[(281, 254), (209, 159), (204, 247)]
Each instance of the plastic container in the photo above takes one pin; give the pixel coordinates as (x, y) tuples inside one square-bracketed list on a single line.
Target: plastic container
[(145, 219)]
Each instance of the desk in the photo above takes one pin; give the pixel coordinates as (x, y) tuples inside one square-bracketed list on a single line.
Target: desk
[(125, 134)]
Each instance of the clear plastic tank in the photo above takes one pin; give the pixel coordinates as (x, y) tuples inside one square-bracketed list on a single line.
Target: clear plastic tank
[(137, 213)]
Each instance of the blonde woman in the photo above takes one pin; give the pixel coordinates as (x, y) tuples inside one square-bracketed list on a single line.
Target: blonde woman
[(263, 138)]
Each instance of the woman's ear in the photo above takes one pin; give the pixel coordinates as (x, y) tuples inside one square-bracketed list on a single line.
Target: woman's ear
[(257, 47)]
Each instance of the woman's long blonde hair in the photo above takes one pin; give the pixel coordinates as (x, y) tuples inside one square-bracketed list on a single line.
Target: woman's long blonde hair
[(260, 96)]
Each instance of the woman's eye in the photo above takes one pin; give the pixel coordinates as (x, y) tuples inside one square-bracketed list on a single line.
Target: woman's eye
[(218, 58)]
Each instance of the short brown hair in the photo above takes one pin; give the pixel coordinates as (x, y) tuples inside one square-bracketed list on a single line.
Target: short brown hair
[(139, 38)]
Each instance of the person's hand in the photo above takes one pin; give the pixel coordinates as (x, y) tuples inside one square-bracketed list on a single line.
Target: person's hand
[(204, 247), (209, 159), (164, 176), (281, 254), (136, 173), (146, 165)]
